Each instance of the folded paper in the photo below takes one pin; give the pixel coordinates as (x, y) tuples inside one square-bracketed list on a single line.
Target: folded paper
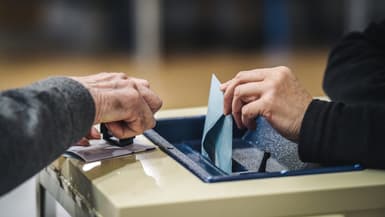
[(217, 134)]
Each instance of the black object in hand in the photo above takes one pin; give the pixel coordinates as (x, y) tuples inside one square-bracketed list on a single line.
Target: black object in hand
[(113, 140)]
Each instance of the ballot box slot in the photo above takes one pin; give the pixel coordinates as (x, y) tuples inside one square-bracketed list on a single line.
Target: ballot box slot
[(180, 138)]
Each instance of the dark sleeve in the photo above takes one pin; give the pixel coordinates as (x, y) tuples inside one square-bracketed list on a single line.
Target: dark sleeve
[(355, 71), (338, 133), (38, 123)]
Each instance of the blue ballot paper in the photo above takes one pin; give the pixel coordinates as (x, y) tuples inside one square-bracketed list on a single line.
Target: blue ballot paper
[(217, 140)]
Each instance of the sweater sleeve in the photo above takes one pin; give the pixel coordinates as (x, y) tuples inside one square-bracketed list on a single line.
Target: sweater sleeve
[(338, 133), (355, 71), (38, 123)]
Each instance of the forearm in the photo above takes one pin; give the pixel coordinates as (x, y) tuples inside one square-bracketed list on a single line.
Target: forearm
[(38, 123), (336, 133)]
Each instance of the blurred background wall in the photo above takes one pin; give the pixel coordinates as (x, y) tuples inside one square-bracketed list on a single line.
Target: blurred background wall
[(175, 44)]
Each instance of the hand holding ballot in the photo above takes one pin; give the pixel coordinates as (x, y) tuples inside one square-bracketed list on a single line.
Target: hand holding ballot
[(274, 93)]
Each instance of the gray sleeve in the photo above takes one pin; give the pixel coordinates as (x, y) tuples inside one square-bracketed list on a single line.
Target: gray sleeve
[(38, 123)]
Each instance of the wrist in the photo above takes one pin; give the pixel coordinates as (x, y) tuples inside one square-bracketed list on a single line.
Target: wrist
[(95, 96), (301, 117), (98, 102)]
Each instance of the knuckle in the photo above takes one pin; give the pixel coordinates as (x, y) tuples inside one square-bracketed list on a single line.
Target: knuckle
[(152, 123), (284, 72), (129, 83), (159, 104), (240, 75), (268, 102), (246, 112), (145, 82), (237, 91), (284, 69), (121, 75), (115, 75)]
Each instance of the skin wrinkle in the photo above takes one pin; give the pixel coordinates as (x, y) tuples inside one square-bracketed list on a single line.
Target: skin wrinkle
[(132, 100)]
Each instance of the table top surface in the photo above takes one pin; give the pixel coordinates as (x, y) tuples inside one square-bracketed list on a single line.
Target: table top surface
[(152, 181)]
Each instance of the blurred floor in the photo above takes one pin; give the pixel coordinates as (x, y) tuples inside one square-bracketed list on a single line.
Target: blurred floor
[(181, 81)]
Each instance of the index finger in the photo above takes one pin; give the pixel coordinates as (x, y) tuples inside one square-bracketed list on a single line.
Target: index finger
[(224, 86), (152, 100), (128, 128), (240, 78)]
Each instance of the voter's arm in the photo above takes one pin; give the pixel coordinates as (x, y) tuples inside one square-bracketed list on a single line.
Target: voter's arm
[(355, 71), (39, 122)]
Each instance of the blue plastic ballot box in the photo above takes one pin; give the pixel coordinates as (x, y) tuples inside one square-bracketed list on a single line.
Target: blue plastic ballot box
[(181, 137)]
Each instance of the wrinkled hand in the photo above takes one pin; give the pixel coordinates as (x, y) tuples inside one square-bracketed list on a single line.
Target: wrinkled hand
[(127, 105), (274, 93)]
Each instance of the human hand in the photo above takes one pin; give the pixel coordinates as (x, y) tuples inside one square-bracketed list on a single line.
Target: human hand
[(92, 134), (127, 105), (274, 93)]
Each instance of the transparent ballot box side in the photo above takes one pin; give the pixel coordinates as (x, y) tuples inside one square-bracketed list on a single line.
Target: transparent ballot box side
[(262, 153)]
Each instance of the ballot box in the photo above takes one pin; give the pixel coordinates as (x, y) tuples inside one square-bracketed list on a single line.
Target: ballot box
[(174, 180), (181, 137)]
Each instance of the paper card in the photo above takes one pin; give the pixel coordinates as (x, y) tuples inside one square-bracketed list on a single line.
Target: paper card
[(101, 150), (217, 134)]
